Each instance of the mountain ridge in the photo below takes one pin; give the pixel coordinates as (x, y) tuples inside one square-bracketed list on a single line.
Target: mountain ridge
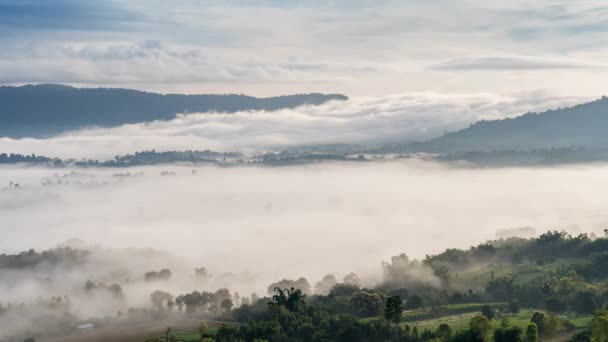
[(583, 125), (47, 109)]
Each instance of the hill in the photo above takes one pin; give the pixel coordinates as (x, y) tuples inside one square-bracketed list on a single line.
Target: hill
[(584, 125), (47, 109)]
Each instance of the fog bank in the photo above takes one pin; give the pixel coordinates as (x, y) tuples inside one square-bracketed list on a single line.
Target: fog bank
[(294, 221), (360, 120)]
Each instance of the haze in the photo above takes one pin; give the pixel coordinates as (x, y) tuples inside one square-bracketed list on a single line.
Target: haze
[(295, 221)]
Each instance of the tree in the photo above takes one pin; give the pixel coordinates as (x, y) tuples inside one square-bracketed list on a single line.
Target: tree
[(538, 318), (514, 307), (343, 290), (393, 309), (444, 331), (481, 327), (599, 327), (508, 334), (532, 333), (365, 304), (164, 274), (254, 298), (300, 284), (226, 304), (584, 303), (555, 305), (501, 288), (413, 302), (291, 299), (203, 329), (323, 286), (236, 299), (160, 298), (191, 300), (167, 333), (487, 311), (352, 279)]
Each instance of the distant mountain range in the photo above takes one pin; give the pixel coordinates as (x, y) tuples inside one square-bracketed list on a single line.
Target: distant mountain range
[(581, 126), (47, 109)]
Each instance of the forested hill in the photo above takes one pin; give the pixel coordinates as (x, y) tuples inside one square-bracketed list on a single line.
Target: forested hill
[(584, 125), (39, 110)]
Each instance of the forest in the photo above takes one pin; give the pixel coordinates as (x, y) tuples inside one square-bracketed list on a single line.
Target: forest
[(552, 287)]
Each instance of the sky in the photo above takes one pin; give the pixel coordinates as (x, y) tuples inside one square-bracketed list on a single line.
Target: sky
[(355, 47)]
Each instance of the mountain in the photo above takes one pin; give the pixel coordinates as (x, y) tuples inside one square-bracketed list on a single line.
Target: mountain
[(584, 125), (47, 109)]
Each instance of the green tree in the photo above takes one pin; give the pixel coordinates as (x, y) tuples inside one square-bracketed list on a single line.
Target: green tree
[(352, 279), (555, 305), (203, 329), (514, 307), (393, 309), (508, 334), (365, 304), (444, 331), (413, 302), (481, 327), (292, 299), (226, 304), (487, 311), (599, 327), (532, 333), (538, 318)]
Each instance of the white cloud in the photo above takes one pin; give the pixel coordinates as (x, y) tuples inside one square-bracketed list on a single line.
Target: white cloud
[(362, 48), (404, 117), (317, 219), (511, 63)]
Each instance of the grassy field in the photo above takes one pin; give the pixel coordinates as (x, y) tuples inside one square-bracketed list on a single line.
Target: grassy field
[(477, 277), (461, 321)]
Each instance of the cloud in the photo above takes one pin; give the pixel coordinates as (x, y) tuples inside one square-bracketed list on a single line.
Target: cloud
[(265, 220), (510, 63), (360, 120), (272, 47), (149, 62)]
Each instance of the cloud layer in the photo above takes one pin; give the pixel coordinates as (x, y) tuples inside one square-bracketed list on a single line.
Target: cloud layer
[(274, 47), (360, 120), (295, 221)]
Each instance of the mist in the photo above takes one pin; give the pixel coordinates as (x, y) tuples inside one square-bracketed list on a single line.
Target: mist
[(359, 120), (251, 226), (264, 220)]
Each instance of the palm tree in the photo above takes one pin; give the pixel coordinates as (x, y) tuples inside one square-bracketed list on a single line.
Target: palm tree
[(291, 299)]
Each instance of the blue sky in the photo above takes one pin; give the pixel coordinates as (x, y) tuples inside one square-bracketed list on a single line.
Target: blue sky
[(274, 47)]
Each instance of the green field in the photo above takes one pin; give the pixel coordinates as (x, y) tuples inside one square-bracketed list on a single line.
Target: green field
[(461, 321), (189, 335)]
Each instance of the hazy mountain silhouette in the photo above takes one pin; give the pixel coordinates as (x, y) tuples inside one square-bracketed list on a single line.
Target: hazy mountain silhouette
[(46, 109), (584, 125)]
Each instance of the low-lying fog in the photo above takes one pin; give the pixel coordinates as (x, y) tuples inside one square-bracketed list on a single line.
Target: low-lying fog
[(251, 226), (294, 221), (360, 120)]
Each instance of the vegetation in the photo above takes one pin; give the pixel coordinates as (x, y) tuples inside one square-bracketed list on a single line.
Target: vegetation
[(506, 290), (553, 286), (46, 109)]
